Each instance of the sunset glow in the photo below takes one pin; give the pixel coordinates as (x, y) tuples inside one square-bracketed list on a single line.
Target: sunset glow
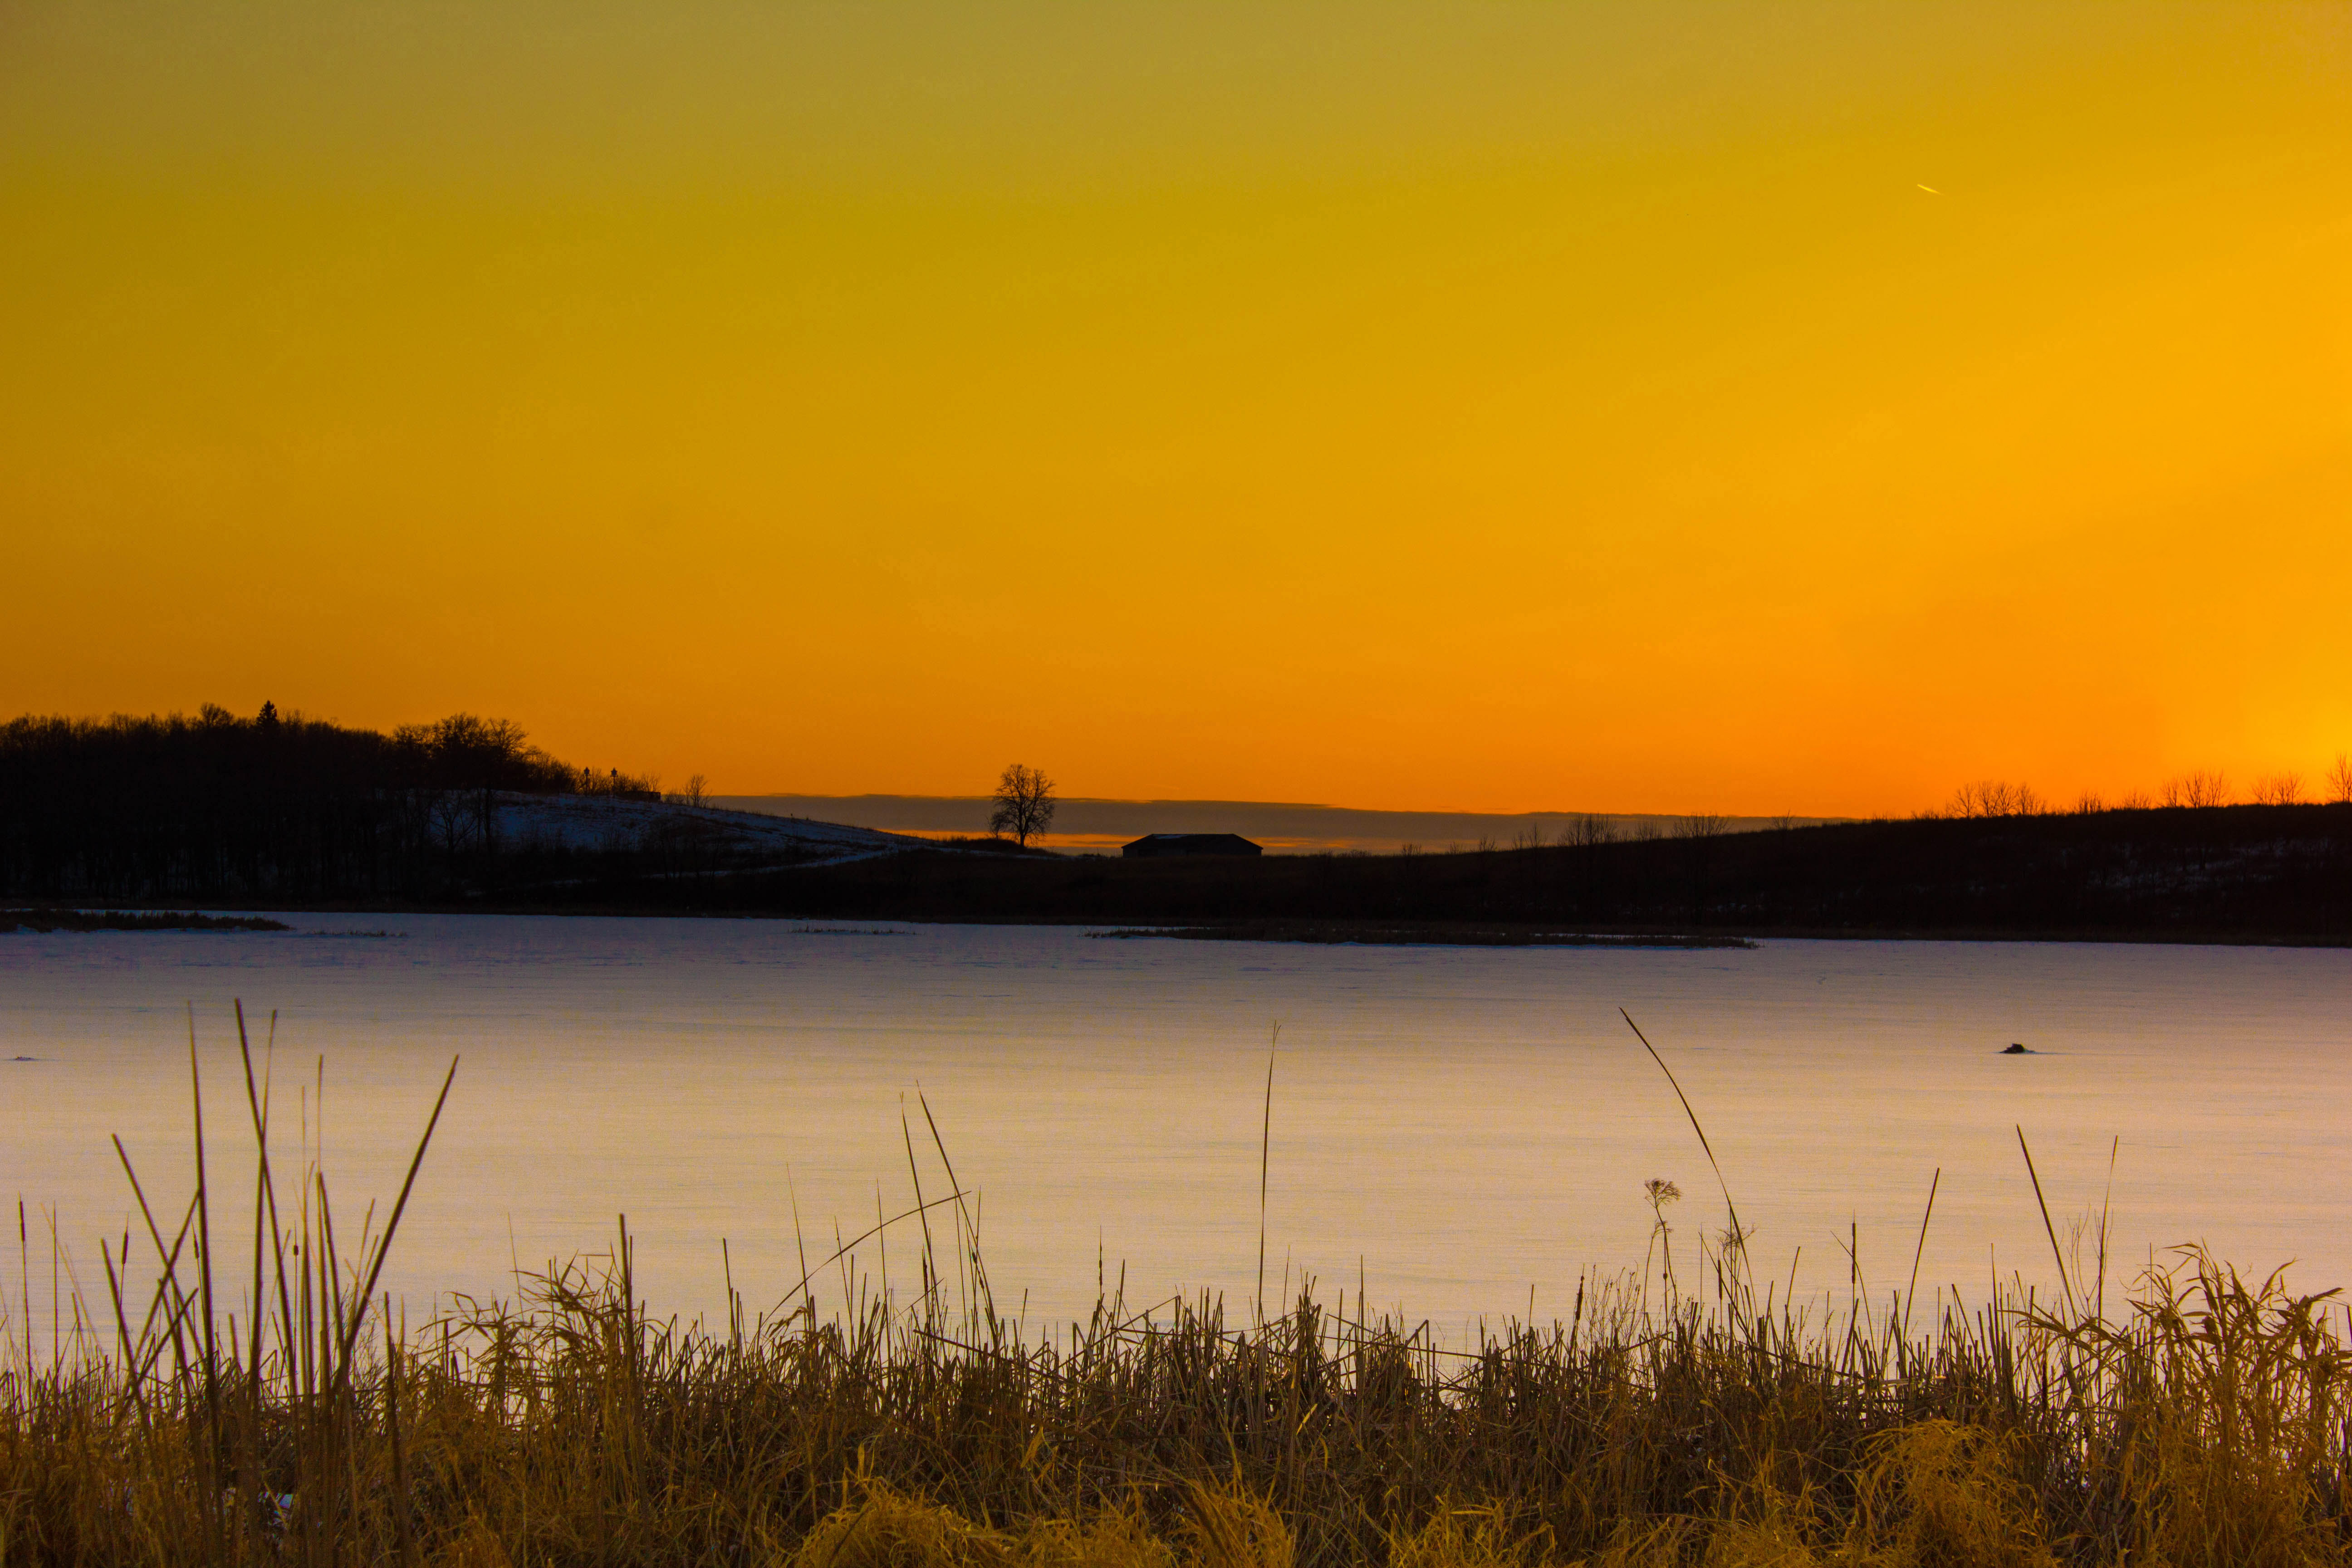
[(1615, 406)]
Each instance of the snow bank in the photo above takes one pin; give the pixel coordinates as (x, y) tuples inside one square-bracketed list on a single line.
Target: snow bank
[(597, 822)]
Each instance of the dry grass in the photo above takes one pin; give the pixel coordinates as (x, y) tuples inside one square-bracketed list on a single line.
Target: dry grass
[(2205, 1423)]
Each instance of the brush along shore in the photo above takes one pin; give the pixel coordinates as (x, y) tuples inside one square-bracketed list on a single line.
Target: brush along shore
[(2205, 1426), (1373, 934), (46, 921)]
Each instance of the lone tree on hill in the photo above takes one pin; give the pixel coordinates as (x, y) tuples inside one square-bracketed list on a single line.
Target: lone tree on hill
[(1024, 804)]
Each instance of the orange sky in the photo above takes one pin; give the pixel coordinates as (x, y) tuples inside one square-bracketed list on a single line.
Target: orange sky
[(1478, 406)]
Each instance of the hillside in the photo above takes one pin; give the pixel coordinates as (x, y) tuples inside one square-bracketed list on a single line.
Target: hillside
[(2224, 873), (545, 825)]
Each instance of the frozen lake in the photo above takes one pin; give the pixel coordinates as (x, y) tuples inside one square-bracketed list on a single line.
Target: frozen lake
[(1465, 1130)]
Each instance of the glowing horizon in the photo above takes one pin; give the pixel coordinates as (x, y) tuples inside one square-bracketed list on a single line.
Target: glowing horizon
[(1757, 408)]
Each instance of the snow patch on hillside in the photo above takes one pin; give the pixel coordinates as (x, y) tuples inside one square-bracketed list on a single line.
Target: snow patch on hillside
[(597, 822)]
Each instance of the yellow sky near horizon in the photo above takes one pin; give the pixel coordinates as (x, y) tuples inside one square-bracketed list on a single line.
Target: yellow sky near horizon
[(1623, 406)]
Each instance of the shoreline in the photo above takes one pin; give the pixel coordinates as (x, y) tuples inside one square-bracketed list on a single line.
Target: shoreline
[(1193, 928)]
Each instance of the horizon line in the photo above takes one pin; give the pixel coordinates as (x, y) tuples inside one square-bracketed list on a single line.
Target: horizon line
[(1283, 804)]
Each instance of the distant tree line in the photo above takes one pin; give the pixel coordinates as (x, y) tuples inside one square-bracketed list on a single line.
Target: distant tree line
[(2198, 788), (277, 805)]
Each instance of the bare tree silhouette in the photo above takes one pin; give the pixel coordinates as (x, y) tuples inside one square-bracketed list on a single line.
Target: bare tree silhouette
[(1024, 804), (2199, 788), (1698, 833), (1589, 831), (2278, 789), (456, 820), (1990, 798)]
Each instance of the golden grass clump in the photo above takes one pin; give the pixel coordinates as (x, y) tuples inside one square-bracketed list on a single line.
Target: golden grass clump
[(1454, 1537), (1935, 1491), (885, 1530)]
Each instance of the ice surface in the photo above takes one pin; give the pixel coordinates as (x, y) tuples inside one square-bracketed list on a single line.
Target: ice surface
[(1462, 1126)]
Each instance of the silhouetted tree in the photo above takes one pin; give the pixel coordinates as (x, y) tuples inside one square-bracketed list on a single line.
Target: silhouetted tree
[(2278, 789), (1990, 798), (2197, 789), (1024, 804), (1699, 832), (1589, 831), (459, 763)]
